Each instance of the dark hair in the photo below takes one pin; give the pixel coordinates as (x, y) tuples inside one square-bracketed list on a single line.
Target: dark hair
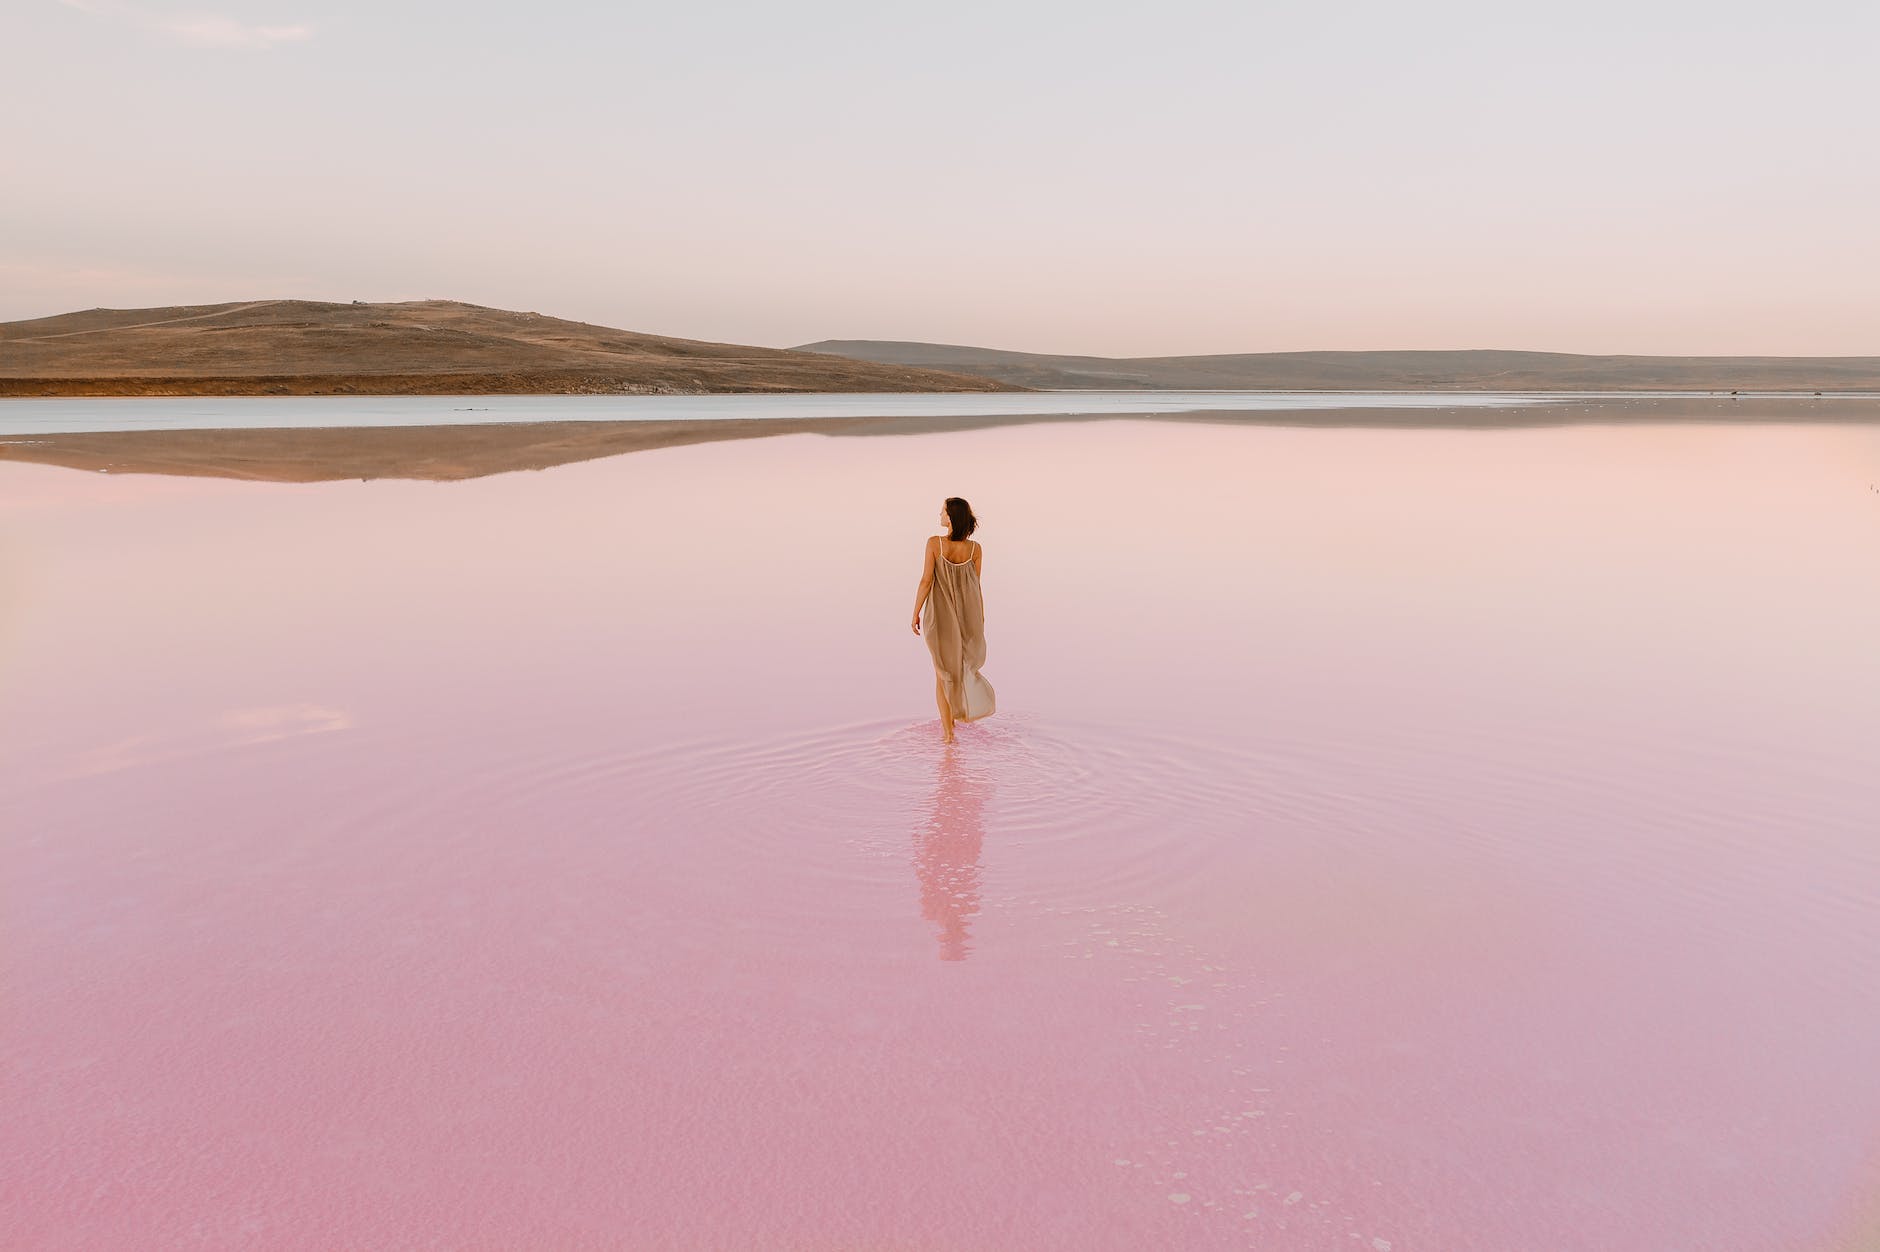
[(960, 519)]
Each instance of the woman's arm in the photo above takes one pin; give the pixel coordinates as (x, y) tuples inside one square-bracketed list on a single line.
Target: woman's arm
[(926, 580)]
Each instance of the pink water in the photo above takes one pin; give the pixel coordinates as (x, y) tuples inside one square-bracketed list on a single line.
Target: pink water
[(1387, 840)]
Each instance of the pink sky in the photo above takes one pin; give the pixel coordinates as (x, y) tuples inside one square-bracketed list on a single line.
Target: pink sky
[(1656, 178)]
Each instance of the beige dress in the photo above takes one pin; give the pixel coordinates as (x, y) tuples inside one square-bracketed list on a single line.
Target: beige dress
[(954, 624)]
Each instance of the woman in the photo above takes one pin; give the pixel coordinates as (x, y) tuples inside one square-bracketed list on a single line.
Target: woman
[(955, 618)]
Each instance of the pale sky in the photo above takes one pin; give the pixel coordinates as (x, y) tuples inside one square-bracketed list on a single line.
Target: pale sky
[(1048, 175)]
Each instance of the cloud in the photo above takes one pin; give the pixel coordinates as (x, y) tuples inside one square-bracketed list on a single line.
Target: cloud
[(195, 28), (209, 30)]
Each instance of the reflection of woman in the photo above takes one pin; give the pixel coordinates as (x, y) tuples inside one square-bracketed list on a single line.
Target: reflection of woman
[(955, 618), (946, 855)]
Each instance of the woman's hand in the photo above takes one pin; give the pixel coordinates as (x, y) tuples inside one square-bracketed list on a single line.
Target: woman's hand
[(917, 623)]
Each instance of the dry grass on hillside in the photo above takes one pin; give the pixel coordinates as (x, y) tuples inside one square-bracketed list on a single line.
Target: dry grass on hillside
[(304, 347)]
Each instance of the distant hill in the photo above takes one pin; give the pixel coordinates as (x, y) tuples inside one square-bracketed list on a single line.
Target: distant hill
[(433, 347), (1486, 370)]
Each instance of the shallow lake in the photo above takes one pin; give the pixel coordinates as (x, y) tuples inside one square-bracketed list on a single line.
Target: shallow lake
[(1388, 839), (121, 413)]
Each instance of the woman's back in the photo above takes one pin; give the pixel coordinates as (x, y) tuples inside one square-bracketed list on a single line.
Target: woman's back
[(959, 553)]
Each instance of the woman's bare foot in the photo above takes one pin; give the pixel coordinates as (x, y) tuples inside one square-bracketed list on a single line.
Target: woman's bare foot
[(946, 734)]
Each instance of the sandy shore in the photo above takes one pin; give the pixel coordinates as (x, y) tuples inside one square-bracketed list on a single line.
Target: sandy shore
[(458, 452)]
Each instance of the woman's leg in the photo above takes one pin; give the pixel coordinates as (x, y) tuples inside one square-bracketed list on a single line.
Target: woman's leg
[(946, 710)]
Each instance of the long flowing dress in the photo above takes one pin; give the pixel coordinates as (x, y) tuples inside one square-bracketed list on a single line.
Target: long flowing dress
[(953, 622)]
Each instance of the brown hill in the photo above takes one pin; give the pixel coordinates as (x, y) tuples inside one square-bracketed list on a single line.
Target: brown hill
[(1485, 370), (432, 347)]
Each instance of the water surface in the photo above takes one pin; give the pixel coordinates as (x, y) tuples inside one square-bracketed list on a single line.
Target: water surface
[(123, 413), (1388, 839)]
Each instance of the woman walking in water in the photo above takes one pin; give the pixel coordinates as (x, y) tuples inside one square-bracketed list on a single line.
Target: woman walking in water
[(955, 618)]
